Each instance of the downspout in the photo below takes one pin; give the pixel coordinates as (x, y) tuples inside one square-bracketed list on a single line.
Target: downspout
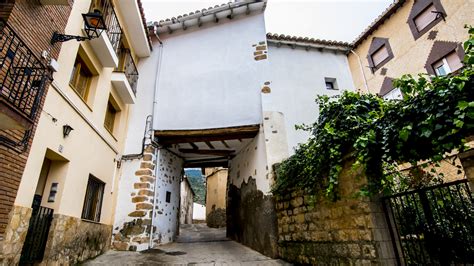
[(361, 70), (155, 102)]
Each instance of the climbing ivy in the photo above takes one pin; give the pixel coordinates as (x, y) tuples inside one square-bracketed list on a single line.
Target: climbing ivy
[(434, 117)]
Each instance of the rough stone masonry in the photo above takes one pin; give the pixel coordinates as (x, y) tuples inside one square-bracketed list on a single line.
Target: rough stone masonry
[(352, 230)]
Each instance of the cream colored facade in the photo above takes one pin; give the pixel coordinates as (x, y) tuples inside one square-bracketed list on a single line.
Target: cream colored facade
[(410, 55), (90, 148), (216, 191)]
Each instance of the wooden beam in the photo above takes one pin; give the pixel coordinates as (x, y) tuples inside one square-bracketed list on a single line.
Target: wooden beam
[(194, 145), (208, 143), (205, 164), (225, 144), (208, 132), (208, 152)]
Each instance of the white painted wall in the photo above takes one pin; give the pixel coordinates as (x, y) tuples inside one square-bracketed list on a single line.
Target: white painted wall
[(210, 66), (296, 76), (251, 161), (199, 211), (168, 177)]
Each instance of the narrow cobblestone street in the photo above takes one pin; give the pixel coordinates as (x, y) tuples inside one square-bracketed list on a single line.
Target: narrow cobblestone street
[(197, 244)]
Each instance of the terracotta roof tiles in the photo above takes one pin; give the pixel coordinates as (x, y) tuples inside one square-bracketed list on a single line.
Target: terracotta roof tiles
[(282, 37)]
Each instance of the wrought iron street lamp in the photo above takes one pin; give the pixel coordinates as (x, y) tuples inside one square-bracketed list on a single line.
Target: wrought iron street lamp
[(94, 25)]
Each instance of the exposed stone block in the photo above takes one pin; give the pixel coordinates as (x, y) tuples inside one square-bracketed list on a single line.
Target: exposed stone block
[(147, 178), (144, 206), (141, 185), (139, 199), (137, 214), (145, 192), (260, 57), (258, 53), (150, 149), (143, 172), (261, 48), (121, 246), (147, 165), (147, 157)]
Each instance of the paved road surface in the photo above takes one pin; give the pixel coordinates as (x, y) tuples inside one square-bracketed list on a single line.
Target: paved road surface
[(196, 245)]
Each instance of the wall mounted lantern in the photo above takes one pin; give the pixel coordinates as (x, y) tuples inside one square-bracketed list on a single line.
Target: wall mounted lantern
[(94, 25), (66, 130)]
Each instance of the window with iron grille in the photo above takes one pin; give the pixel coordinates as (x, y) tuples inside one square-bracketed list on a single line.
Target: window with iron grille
[(93, 199)]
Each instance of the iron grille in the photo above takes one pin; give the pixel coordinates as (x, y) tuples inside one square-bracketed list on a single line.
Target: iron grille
[(22, 74), (114, 30), (433, 225), (37, 236), (128, 67), (93, 199)]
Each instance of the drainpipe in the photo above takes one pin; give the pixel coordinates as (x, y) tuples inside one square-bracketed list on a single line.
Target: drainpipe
[(155, 102), (361, 70)]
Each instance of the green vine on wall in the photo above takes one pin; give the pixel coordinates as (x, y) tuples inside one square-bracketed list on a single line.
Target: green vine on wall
[(433, 119)]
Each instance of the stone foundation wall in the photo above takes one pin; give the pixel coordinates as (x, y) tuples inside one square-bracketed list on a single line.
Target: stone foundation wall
[(72, 240), (251, 218), (15, 234), (312, 229)]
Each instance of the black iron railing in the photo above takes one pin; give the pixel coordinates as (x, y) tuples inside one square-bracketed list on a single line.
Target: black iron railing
[(128, 67), (22, 74), (114, 30), (37, 236), (434, 225)]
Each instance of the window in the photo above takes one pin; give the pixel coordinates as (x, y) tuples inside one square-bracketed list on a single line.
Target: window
[(444, 58), (379, 53), (110, 114), (424, 15), (388, 92), (168, 196), (447, 64), (81, 78), (331, 83), (394, 94), (93, 199)]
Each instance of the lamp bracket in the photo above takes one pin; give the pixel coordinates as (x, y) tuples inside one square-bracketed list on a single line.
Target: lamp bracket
[(58, 37)]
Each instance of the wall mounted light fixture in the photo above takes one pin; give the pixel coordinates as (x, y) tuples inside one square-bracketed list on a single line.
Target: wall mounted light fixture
[(94, 25), (66, 130)]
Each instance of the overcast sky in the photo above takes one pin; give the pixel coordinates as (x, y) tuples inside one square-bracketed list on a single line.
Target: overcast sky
[(341, 20)]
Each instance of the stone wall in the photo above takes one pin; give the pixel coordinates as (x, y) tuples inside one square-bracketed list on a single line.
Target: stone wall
[(251, 218), (72, 240), (353, 230), (15, 234)]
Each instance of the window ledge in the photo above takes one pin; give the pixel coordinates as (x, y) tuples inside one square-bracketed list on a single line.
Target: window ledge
[(111, 134), (90, 221)]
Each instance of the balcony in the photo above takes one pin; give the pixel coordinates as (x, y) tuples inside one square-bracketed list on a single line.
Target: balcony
[(107, 46), (125, 77), (22, 81)]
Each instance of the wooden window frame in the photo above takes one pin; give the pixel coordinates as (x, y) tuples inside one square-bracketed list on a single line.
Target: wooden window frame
[(418, 8), (82, 61), (377, 44), (91, 210), (111, 103)]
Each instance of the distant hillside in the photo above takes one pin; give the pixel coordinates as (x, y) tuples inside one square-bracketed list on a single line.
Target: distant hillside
[(196, 178)]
